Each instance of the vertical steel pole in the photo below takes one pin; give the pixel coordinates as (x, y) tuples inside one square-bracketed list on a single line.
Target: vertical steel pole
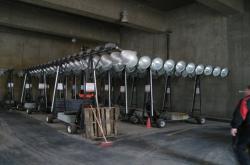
[(75, 86), (165, 94), (109, 89), (45, 90), (96, 92), (12, 87), (24, 82), (151, 94), (55, 88), (126, 92), (66, 87)]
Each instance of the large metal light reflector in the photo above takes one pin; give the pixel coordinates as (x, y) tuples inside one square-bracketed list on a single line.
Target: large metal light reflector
[(190, 68), (84, 64), (169, 66), (106, 61), (129, 58), (199, 69), (216, 71), (208, 70), (156, 64), (143, 64), (224, 72), (96, 62), (117, 61), (180, 66), (77, 66)]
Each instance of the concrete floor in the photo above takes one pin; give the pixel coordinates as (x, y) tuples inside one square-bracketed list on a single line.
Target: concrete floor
[(29, 140)]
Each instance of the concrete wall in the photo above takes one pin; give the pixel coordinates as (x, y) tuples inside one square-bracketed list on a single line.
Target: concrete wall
[(20, 49), (201, 35)]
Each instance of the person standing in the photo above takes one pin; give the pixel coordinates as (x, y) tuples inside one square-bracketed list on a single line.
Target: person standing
[(241, 128)]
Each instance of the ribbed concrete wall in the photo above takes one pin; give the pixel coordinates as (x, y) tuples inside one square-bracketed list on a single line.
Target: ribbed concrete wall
[(20, 49), (201, 35)]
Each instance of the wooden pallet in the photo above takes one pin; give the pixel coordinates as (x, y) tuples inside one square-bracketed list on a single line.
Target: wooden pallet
[(108, 116)]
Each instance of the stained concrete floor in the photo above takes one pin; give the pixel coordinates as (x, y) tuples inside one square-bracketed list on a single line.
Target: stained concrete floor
[(29, 140)]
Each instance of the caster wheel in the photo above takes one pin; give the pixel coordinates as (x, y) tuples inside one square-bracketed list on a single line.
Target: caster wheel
[(71, 129), (134, 119), (29, 111), (161, 123), (124, 117), (201, 120), (49, 118)]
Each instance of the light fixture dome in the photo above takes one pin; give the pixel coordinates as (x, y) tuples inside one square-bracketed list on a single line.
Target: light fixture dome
[(169, 65), (156, 64), (216, 71), (180, 66)]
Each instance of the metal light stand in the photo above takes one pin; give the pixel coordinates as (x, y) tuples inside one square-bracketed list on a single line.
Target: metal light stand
[(167, 100), (102, 91), (28, 91), (121, 97), (74, 87), (42, 98), (134, 93), (147, 96), (10, 95), (45, 90), (196, 111), (109, 84), (55, 89), (23, 90), (151, 94), (196, 105), (83, 82), (107, 89), (126, 92)]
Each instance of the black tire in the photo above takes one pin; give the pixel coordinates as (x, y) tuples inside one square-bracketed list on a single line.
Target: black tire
[(49, 118), (71, 128), (161, 123), (134, 119), (28, 111), (201, 120)]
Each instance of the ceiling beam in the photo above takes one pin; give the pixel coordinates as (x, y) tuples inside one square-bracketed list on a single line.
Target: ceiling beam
[(139, 15), (226, 7), (31, 18)]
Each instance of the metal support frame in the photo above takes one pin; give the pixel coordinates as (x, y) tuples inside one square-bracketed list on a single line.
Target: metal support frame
[(109, 84), (45, 90), (96, 91), (65, 87), (10, 95), (134, 94), (23, 89), (55, 88), (148, 96), (151, 94), (74, 89), (167, 97), (196, 97), (126, 92)]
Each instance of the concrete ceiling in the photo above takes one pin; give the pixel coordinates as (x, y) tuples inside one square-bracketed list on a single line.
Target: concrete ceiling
[(166, 5)]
